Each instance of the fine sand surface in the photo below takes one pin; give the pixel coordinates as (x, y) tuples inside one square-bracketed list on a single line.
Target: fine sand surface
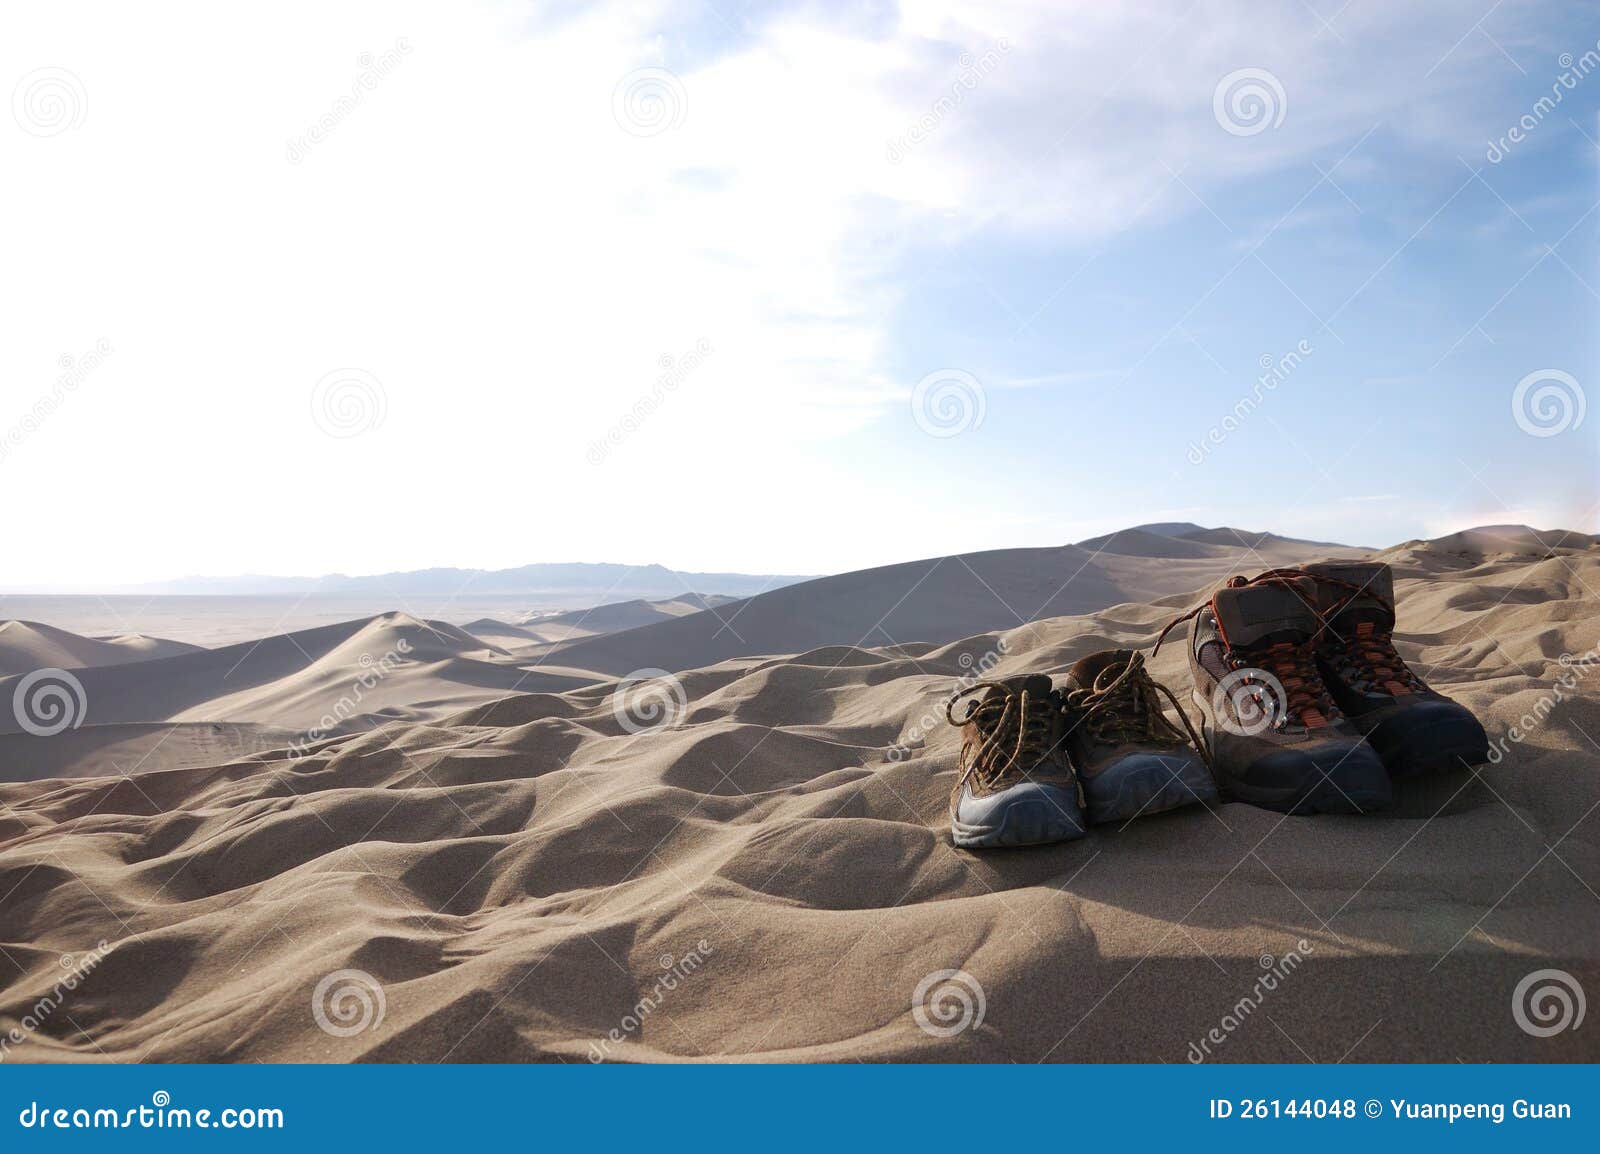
[(768, 876)]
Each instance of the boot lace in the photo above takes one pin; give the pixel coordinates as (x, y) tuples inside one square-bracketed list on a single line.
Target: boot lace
[(1367, 658), (1293, 665), (1015, 731), (1369, 661), (1305, 697), (1124, 706)]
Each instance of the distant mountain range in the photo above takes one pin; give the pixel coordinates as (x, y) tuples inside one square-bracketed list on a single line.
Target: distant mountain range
[(588, 583), (605, 581)]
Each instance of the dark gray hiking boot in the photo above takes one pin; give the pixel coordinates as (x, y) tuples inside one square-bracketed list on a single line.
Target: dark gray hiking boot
[(1277, 738), (1130, 757), (1414, 729), (1016, 786)]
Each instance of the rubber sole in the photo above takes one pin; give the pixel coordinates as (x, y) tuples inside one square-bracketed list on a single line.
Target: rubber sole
[(1029, 822), (1456, 743), (1442, 760), (1144, 784)]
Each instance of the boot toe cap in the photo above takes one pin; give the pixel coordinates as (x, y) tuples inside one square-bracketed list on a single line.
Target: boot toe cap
[(1029, 813)]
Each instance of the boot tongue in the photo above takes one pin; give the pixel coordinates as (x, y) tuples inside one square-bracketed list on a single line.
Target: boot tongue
[(1251, 614), (1086, 669), (1376, 601)]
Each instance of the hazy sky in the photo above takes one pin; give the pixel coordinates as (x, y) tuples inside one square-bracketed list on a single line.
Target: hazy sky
[(785, 288)]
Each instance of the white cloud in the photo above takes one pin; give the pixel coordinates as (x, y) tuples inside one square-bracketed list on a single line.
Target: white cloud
[(480, 234)]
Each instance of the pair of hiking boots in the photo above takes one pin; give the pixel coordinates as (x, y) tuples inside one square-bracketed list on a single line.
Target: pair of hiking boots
[(1039, 764), (1306, 707)]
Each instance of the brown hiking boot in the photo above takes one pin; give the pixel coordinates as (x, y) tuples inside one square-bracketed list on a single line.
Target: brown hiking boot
[(1017, 786), (1277, 738), (1414, 729), (1130, 758)]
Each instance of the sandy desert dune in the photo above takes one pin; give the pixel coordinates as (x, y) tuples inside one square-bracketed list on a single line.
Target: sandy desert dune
[(507, 859)]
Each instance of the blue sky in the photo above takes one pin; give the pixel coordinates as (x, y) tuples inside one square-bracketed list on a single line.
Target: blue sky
[(658, 282)]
